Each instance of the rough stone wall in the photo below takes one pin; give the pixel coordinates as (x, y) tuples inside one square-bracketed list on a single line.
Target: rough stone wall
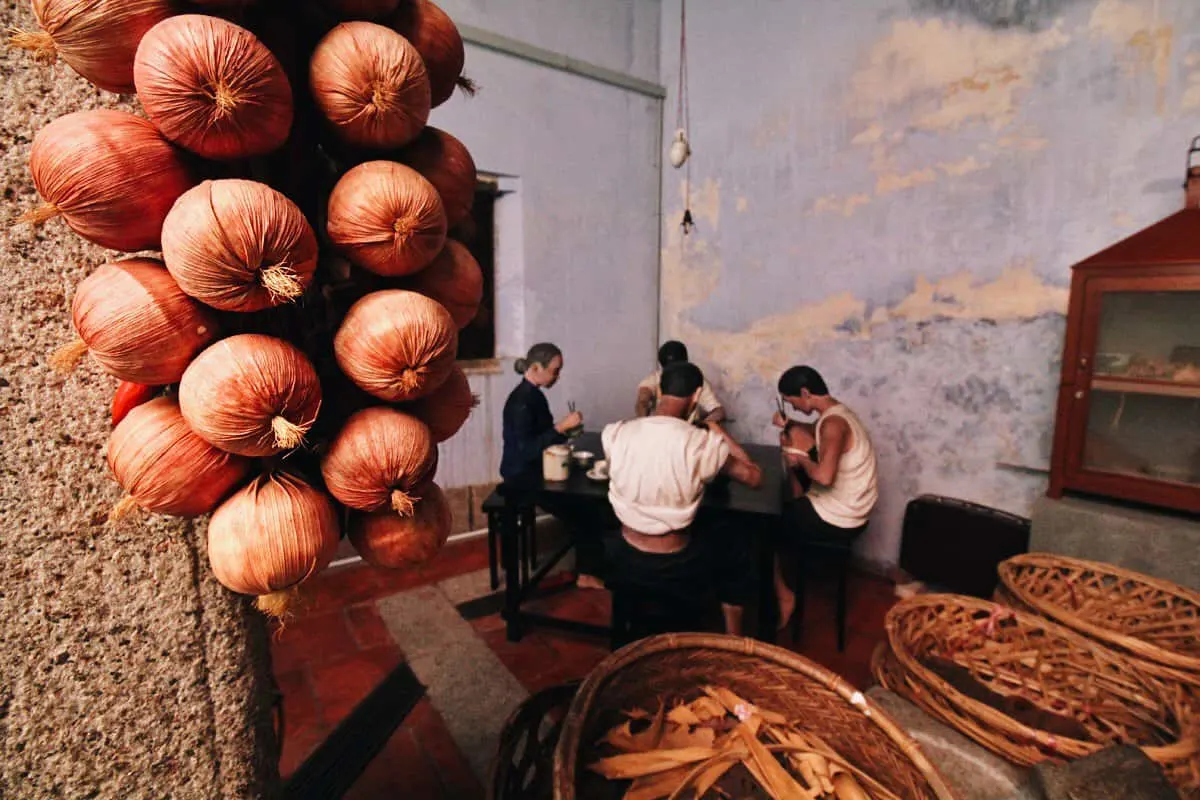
[(126, 671), (894, 190)]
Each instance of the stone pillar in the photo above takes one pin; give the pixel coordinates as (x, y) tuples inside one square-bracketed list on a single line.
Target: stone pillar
[(125, 669)]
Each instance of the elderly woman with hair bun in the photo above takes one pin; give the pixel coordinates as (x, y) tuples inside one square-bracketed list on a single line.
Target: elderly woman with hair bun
[(529, 428)]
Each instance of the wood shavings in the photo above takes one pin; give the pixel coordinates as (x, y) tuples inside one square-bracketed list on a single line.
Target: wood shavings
[(686, 752)]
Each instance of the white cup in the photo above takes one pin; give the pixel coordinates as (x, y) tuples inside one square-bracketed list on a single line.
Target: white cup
[(600, 469)]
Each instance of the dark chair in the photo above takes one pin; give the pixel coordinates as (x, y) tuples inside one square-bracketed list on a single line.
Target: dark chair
[(641, 611), (835, 551), (957, 545), (527, 551)]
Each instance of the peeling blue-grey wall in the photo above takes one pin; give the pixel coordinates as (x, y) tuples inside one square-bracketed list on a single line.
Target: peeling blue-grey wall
[(577, 240), (894, 190)]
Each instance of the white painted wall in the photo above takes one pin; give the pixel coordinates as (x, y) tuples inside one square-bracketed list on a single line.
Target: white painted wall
[(577, 247)]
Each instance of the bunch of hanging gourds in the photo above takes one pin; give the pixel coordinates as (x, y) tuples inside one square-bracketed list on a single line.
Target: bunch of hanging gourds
[(286, 359)]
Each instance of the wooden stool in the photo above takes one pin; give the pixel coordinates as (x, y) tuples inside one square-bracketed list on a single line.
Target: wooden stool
[(493, 506)]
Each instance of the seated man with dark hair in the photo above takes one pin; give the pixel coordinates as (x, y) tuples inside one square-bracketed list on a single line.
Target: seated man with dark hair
[(842, 473), (708, 409), (659, 467)]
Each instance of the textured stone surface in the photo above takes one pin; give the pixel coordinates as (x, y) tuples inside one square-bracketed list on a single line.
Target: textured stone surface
[(454, 664), (973, 772), (126, 671), (1116, 773), (1163, 545)]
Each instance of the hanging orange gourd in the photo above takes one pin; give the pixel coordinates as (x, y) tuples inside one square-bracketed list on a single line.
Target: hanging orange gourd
[(361, 9), (137, 323), (97, 38), (110, 175), (386, 218), (445, 162), (213, 87), (239, 245), (251, 394), (270, 536), (387, 540), (455, 280), (396, 345), (377, 458), (446, 409), (371, 84), (437, 39), (166, 468)]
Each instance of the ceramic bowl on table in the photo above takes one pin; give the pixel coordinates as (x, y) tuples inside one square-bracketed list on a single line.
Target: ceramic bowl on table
[(584, 459)]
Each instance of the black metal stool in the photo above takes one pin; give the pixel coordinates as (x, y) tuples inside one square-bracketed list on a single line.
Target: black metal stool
[(838, 552), (493, 506), (641, 611)]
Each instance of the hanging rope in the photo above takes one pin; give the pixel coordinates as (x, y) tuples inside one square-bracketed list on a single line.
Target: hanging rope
[(683, 116)]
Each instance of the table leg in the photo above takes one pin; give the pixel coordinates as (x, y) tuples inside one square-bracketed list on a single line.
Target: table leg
[(510, 535), (765, 555)]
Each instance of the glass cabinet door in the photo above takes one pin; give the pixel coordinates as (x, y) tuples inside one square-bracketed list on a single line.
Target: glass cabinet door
[(1144, 407)]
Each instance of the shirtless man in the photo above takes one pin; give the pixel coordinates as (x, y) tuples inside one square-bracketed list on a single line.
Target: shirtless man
[(659, 467)]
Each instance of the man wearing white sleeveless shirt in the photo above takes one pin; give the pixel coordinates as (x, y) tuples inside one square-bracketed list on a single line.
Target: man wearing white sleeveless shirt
[(842, 471)]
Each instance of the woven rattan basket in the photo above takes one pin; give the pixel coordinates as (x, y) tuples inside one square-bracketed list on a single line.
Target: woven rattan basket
[(678, 665), (1032, 690), (1151, 619)]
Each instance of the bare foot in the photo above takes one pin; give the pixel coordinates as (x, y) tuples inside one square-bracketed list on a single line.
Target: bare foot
[(588, 582), (787, 606)]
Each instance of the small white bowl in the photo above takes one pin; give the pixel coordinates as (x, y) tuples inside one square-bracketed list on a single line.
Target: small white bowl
[(584, 458)]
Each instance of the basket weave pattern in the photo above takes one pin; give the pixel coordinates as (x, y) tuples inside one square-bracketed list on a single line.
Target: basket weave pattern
[(677, 666), (1055, 674), (1155, 620)]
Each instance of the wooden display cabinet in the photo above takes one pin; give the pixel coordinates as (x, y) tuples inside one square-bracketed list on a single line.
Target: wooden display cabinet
[(1128, 421)]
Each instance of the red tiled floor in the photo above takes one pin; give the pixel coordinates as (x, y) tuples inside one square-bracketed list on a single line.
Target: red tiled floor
[(337, 651), (342, 684), (400, 770), (366, 626), (431, 734), (311, 639)]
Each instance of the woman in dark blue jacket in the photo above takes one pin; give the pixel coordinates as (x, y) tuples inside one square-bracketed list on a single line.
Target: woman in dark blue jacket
[(529, 428)]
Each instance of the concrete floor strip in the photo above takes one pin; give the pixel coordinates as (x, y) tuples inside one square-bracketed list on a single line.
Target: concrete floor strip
[(468, 685)]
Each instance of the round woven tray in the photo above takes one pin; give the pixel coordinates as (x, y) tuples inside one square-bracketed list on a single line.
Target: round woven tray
[(1063, 695), (1155, 620), (679, 665)]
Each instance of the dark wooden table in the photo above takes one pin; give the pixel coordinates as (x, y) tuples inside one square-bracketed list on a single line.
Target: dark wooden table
[(757, 512)]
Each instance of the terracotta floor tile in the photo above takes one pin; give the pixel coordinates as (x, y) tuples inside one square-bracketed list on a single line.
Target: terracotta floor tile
[(342, 586), (311, 640), (528, 658), (298, 745), (431, 734), (492, 622), (299, 702), (342, 684), (367, 627), (400, 770)]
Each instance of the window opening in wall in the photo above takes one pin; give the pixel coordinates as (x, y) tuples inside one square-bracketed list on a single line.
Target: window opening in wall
[(477, 341)]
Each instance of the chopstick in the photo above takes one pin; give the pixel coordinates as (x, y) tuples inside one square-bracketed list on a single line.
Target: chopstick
[(571, 406)]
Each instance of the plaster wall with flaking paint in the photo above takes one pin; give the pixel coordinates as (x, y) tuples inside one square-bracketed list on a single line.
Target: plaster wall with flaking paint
[(893, 191)]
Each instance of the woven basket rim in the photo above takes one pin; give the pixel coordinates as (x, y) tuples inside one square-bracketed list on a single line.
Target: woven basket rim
[(1141, 647), (569, 741), (1187, 745)]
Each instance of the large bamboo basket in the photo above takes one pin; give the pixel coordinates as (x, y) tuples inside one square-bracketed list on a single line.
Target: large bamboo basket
[(1154, 620), (678, 665), (1055, 674)]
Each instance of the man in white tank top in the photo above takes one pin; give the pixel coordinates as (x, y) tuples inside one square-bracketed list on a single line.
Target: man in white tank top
[(835, 458)]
